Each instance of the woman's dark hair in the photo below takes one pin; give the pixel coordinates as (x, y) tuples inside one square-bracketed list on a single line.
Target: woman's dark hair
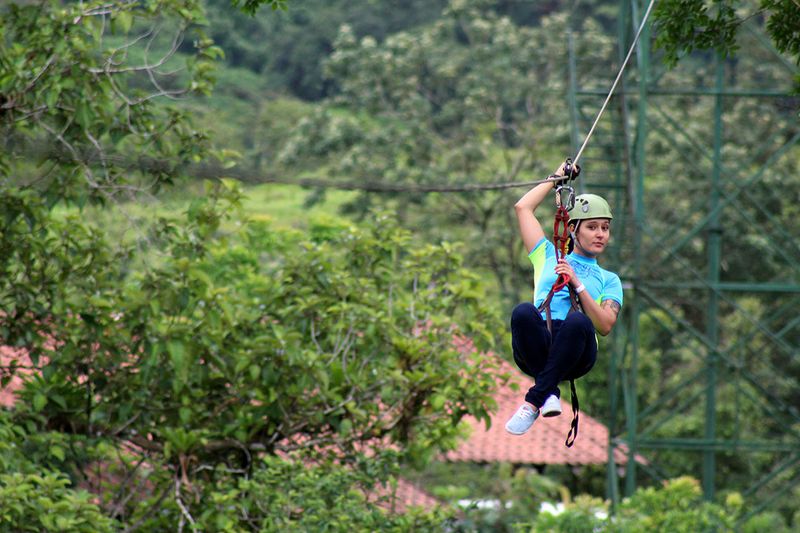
[(573, 231)]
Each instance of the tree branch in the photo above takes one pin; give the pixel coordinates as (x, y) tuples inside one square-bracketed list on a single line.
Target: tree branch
[(179, 501)]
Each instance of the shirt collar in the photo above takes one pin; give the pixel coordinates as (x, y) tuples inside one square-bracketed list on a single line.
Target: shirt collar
[(581, 259)]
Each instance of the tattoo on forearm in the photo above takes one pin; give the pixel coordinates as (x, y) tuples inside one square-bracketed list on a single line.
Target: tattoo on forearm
[(611, 304)]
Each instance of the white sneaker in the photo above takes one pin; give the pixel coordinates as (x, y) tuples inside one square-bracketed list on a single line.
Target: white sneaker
[(522, 420), (552, 406)]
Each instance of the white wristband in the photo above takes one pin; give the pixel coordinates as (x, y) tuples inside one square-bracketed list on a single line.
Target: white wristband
[(580, 288)]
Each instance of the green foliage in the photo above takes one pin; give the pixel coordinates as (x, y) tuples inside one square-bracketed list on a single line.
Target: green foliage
[(493, 497), (251, 6), (43, 502), (580, 516), (518, 494), (288, 495), (46, 264), (783, 24), (769, 521), (34, 495), (256, 342), (287, 47), (686, 25), (254, 128), (676, 506), (79, 83)]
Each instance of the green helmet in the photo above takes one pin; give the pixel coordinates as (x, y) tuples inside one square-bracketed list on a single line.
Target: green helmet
[(590, 206)]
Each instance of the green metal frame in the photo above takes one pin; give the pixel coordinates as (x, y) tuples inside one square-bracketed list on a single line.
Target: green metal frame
[(689, 296)]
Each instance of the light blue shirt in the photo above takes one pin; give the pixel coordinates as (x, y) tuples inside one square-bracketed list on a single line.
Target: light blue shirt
[(600, 283)]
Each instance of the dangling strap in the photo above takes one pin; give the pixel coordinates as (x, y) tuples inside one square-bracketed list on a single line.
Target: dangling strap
[(574, 302), (573, 427), (574, 307), (545, 306)]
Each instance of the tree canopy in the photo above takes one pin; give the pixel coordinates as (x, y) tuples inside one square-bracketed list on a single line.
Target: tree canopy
[(686, 25), (159, 371), (177, 379)]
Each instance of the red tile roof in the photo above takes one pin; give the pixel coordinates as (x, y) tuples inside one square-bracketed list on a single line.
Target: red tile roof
[(407, 494), (7, 355), (543, 444)]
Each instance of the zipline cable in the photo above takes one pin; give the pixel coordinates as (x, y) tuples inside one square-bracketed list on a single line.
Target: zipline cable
[(616, 81), (388, 187)]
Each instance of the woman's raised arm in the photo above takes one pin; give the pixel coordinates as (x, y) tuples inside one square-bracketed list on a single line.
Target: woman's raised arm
[(529, 227)]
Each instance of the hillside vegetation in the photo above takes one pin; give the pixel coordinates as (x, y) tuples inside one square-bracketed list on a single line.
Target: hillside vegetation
[(229, 297)]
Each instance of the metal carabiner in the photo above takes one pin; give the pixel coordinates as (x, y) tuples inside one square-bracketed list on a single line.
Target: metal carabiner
[(570, 197)]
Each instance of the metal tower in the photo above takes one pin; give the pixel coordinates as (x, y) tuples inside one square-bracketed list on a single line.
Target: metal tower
[(700, 162)]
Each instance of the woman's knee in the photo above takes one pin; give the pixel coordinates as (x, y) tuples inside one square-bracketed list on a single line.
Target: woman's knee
[(578, 321), (524, 313)]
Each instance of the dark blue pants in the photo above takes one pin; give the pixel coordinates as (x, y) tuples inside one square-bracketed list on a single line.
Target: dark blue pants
[(569, 353)]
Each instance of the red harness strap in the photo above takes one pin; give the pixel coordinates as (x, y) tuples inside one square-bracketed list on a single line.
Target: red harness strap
[(561, 241)]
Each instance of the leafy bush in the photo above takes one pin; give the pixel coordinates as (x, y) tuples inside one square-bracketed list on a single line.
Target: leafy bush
[(32, 502), (583, 515), (677, 506), (235, 346), (293, 496)]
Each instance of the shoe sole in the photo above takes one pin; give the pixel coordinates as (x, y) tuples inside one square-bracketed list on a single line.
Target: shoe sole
[(515, 433), (551, 409)]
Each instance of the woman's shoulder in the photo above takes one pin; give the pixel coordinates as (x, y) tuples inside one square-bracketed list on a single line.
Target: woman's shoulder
[(609, 275), (542, 246)]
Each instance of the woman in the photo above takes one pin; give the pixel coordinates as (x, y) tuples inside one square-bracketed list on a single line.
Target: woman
[(571, 350)]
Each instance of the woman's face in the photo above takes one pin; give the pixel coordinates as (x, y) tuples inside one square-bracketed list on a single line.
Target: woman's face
[(593, 234)]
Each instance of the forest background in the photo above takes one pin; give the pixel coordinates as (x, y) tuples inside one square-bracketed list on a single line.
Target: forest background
[(204, 352)]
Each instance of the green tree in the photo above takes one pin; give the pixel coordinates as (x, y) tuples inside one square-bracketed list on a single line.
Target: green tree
[(161, 388), (79, 85), (42, 502), (287, 48), (676, 506), (35, 496), (686, 25), (292, 496), (232, 347)]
